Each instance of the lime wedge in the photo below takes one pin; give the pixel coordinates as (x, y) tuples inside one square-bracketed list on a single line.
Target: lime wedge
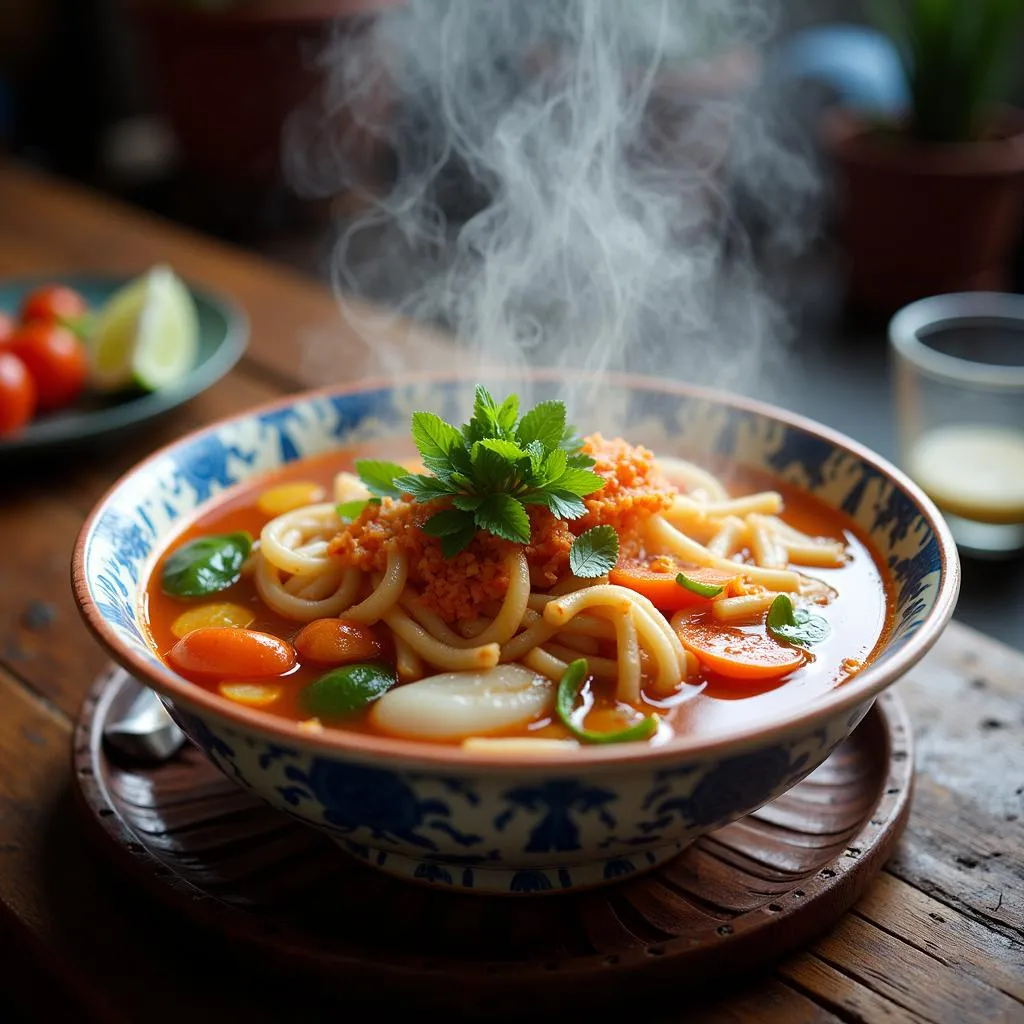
[(146, 334)]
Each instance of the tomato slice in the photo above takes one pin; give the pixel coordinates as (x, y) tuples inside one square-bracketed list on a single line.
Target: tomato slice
[(738, 655), (661, 588)]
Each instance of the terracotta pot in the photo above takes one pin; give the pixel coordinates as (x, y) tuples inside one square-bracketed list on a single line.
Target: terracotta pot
[(227, 81), (923, 219)]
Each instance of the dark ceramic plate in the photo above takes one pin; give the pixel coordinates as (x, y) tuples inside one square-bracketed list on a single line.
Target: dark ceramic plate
[(223, 334)]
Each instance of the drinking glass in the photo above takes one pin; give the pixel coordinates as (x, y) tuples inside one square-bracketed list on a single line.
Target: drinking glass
[(958, 374)]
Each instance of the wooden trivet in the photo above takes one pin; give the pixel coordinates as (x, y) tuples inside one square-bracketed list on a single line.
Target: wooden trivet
[(270, 889)]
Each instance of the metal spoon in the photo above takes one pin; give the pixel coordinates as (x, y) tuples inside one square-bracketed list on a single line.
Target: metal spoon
[(145, 731)]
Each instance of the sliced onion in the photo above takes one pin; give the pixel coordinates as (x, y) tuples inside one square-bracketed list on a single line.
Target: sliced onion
[(458, 705)]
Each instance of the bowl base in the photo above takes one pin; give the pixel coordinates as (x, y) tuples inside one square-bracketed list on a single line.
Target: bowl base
[(491, 881)]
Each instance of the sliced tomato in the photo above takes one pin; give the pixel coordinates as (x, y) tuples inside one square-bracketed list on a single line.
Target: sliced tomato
[(661, 588), (736, 654)]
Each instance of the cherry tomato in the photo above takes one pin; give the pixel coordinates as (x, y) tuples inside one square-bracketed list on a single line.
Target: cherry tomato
[(52, 302), (56, 359), (6, 330), (17, 394), (231, 653), (336, 641)]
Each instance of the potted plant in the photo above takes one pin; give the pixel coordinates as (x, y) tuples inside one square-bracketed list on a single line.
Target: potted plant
[(934, 201), (228, 73)]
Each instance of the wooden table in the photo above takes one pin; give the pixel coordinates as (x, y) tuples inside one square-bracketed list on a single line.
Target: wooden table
[(937, 938)]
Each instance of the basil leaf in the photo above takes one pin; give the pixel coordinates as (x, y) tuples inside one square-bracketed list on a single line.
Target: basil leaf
[(434, 438), (348, 689), (594, 553), (565, 702), (206, 565), (795, 626), (696, 587), (545, 423), (349, 510), (379, 476), (505, 517)]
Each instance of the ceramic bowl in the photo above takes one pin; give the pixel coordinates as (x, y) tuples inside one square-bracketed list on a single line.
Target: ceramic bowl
[(485, 823)]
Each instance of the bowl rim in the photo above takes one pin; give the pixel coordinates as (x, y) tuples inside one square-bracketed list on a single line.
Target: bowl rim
[(862, 688)]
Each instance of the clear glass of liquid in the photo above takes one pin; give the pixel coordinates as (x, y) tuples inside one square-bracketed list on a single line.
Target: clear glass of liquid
[(958, 374)]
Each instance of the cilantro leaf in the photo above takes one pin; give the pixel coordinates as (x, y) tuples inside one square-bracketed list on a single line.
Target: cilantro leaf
[(379, 476), (545, 423), (594, 552), (349, 510), (505, 517), (453, 543), (795, 626), (579, 481), (451, 520), (422, 488), (434, 438)]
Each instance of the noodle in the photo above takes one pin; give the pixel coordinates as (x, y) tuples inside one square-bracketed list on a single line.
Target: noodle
[(629, 667), (334, 591), (296, 542), (438, 654), (385, 595)]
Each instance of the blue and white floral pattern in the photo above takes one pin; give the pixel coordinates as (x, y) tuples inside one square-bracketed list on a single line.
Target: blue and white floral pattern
[(487, 831)]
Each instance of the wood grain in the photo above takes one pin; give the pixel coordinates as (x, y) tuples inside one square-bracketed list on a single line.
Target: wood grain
[(750, 892)]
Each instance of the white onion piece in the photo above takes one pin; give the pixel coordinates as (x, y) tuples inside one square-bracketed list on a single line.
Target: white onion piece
[(457, 705)]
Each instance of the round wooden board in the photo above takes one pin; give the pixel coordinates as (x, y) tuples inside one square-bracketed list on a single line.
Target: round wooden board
[(266, 886)]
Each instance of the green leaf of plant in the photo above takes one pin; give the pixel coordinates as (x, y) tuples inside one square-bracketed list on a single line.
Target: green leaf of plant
[(580, 461), (452, 520), (569, 687), (594, 552), (422, 488), (206, 565), (554, 466), (545, 423), (349, 510), (453, 543), (379, 476), (347, 689), (505, 517), (467, 502), (491, 471), (696, 587), (536, 452), (565, 505), (579, 481), (507, 415), (434, 438), (795, 626), (508, 450)]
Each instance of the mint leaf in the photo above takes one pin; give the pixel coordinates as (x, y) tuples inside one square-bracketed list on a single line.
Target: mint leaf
[(579, 481), (467, 501), (422, 488), (545, 423), (451, 520), (698, 588), (485, 417), (536, 452), (434, 438), (453, 543), (349, 510), (581, 461), (795, 626), (505, 517), (379, 476), (594, 553)]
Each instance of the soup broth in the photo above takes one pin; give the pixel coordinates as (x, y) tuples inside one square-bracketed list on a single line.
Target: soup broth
[(858, 615)]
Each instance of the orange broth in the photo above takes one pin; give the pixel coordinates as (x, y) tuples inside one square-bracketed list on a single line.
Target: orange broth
[(860, 616)]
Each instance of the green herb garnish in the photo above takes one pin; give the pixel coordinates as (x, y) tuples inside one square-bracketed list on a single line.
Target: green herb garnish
[(347, 689), (696, 587), (595, 552), (565, 701), (349, 510), (206, 565), (795, 626), (491, 469)]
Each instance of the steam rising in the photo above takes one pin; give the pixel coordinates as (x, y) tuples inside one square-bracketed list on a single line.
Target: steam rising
[(563, 187)]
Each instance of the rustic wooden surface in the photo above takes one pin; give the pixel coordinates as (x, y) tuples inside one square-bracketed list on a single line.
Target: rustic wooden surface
[(272, 890), (938, 937)]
